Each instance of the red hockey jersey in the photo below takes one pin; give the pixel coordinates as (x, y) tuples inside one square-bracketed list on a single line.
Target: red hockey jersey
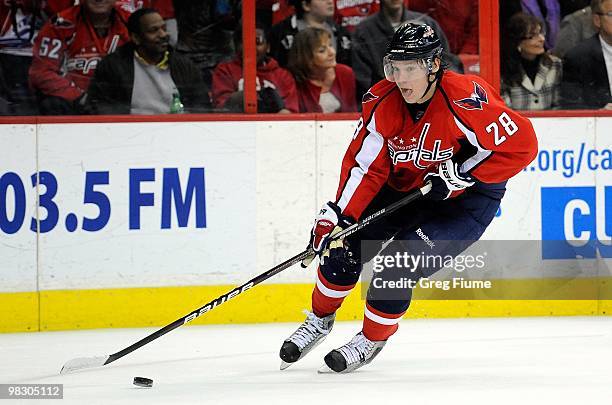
[(67, 51), (349, 13), (464, 114)]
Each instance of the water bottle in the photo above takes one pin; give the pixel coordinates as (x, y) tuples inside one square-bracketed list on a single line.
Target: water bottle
[(176, 107)]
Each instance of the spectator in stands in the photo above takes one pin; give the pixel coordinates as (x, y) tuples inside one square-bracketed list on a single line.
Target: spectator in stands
[(205, 29), (20, 22), (575, 28), (309, 13), (350, 13), (530, 76), (68, 49), (458, 19), (276, 92), (145, 75), (546, 10), (587, 81), (372, 35), (165, 8), (323, 85)]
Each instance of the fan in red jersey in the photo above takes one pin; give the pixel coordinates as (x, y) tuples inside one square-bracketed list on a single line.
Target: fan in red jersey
[(349, 13), (68, 49), (276, 91), (423, 124)]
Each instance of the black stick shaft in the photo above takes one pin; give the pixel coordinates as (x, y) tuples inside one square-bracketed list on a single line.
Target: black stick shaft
[(264, 276)]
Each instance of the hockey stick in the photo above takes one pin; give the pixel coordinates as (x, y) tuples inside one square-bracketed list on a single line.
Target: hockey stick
[(88, 362)]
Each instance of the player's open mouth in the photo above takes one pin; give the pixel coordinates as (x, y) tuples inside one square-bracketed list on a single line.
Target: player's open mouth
[(406, 92)]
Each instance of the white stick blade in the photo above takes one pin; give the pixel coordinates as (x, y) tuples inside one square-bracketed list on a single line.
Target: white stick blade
[(82, 363)]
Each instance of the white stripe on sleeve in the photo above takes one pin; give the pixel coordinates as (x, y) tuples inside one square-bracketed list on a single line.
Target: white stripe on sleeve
[(481, 155), (371, 147)]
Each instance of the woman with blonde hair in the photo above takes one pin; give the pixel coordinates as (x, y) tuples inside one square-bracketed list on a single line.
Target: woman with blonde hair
[(323, 84)]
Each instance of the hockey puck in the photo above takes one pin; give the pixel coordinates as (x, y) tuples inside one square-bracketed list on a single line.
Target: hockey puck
[(143, 382)]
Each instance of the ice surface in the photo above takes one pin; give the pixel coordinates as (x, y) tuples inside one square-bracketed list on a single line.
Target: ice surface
[(461, 361)]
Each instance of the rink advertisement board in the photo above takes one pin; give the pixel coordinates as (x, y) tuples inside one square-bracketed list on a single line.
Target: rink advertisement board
[(106, 215), (145, 206)]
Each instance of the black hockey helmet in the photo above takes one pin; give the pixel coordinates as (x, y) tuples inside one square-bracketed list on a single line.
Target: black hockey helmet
[(414, 41)]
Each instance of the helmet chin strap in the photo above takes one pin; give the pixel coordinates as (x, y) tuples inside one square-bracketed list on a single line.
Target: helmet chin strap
[(430, 82)]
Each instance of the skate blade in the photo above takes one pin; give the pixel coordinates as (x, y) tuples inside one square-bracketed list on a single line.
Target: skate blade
[(284, 365), (325, 370)]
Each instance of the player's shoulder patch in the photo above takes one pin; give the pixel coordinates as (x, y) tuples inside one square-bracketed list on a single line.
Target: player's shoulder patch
[(376, 97), (476, 99), (377, 91), (368, 96)]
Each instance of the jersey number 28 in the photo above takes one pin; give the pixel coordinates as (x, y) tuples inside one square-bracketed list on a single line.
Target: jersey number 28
[(506, 122)]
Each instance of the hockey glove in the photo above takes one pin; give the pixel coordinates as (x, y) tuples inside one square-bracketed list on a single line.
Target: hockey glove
[(446, 181), (328, 222)]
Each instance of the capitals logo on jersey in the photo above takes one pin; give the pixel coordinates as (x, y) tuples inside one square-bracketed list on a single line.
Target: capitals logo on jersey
[(418, 154), (475, 101)]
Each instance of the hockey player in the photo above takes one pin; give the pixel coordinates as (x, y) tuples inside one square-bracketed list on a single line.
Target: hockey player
[(422, 124)]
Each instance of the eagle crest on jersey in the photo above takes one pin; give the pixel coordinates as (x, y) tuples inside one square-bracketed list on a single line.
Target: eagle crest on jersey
[(369, 96), (474, 102)]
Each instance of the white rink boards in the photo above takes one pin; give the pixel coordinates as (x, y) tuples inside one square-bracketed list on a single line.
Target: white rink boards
[(261, 184), (143, 213)]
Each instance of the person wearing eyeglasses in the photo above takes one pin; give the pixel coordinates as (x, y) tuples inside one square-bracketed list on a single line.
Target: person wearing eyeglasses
[(587, 81), (530, 75)]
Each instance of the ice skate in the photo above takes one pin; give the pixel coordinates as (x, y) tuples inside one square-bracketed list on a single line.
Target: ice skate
[(356, 353), (312, 332)]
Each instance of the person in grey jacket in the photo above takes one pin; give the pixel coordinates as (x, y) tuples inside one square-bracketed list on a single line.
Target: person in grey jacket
[(575, 28), (372, 35)]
